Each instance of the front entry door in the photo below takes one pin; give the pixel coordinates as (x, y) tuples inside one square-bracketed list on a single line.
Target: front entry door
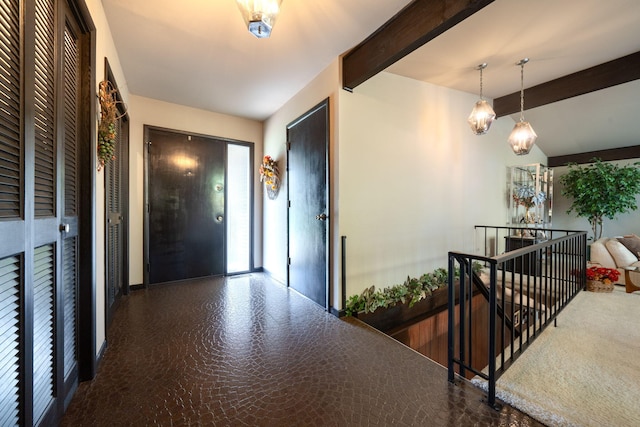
[(186, 204), (307, 177)]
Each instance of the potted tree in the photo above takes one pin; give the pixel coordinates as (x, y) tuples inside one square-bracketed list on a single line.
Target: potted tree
[(601, 190)]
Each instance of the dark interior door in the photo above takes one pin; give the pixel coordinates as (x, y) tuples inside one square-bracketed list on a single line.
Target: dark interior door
[(186, 196), (117, 205), (307, 177), (68, 257), (40, 203)]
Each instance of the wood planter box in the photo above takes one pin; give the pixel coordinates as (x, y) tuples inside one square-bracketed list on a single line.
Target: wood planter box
[(424, 326), (394, 318)]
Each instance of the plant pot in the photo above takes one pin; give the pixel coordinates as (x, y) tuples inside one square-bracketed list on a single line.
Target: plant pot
[(597, 286)]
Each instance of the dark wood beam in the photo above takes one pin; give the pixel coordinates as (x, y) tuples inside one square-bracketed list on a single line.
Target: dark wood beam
[(609, 155), (612, 73), (416, 24)]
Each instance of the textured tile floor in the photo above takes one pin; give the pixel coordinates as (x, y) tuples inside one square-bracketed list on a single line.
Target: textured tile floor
[(246, 351)]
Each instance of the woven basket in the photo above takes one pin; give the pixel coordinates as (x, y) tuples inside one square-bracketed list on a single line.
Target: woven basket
[(596, 286)]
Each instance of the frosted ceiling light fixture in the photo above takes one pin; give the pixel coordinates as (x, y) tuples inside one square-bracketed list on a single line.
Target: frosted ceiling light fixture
[(259, 15), (522, 136), (482, 114)]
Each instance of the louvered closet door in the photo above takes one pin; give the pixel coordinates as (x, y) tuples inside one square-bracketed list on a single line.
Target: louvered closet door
[(45, 224), (69, 207), (12, 225), (113, 175), (39, 99)]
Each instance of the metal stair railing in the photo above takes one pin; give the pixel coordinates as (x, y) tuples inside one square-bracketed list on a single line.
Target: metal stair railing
[(525, 290)]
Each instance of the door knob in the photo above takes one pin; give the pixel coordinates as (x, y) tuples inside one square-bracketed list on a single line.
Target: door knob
[(64, 228), (321, 217), (219, 218)]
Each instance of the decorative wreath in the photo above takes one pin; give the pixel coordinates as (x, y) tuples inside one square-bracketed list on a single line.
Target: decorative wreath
[(270, 175), (107, 123)]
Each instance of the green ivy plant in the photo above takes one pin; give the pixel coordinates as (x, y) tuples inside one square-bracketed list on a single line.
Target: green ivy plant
[(411, 291), (601, 190)]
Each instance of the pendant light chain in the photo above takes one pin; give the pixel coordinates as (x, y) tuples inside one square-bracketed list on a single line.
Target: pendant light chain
[(522, 91), (481, 68)]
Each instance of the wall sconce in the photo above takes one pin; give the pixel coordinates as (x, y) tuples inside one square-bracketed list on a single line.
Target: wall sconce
[(522, 136), (482, 114), (259, 15)]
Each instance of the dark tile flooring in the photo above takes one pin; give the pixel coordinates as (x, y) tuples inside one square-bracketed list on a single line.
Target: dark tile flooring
[(246, 351)]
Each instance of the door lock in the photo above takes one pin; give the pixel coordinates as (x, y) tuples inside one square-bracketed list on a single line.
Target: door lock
[(322, 217)]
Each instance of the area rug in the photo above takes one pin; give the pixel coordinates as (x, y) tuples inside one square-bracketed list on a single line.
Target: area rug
[(585, 371)]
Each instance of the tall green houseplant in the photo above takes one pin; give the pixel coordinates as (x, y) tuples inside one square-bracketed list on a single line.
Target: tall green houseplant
[(601, 190)]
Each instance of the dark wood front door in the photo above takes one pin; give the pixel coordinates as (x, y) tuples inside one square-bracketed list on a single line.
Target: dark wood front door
[(186, 197), (307, 177)]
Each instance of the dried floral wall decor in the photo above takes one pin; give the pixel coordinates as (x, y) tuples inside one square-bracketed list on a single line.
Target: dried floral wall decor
[(107, 123), (270, 175)]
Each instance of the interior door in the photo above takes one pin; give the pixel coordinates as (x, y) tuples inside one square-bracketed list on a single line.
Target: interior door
[(116, 201), (40, 90), (68, 255), (307, 177), (186, 206)]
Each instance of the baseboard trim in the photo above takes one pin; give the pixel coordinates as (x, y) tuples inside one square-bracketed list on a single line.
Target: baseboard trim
[(272, 277), (100, 354), (336, 312)]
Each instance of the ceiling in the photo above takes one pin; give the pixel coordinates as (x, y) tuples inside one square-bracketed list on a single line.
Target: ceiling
[(199, 53), (202, 56)]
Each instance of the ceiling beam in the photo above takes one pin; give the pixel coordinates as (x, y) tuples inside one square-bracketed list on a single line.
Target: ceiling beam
[(609, 155), (416, 24), (612, 73)]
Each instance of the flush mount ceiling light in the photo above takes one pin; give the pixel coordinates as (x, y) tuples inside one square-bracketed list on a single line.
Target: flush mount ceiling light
[(482, 114), (259, 15), (522, 136)]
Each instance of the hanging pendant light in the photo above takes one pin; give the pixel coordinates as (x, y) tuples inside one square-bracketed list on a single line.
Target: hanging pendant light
[(259, 15), (482, 114), (522, 136)]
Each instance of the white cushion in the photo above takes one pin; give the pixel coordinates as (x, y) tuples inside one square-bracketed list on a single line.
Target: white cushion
[(600, 254), (622, 256)]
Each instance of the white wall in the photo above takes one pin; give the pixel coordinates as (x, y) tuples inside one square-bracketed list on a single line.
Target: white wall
[(623, 224), (104, 48), (145, 111), (325, 85), (414, 179)]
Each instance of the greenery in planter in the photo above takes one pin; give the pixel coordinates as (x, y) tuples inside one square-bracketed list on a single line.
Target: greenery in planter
[(601, 190), (411, 291)]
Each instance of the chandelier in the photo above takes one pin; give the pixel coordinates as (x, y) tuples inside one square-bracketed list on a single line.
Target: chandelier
[(482, 114), (522, 136)]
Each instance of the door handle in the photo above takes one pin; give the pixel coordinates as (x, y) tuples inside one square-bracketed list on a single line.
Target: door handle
[(322, 217), (219, 218), (64, 228)]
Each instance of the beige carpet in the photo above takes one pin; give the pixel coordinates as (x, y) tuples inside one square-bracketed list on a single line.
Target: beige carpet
[(586, 371)]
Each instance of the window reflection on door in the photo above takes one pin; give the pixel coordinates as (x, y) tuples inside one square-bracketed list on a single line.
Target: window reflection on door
[(238, 208)]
